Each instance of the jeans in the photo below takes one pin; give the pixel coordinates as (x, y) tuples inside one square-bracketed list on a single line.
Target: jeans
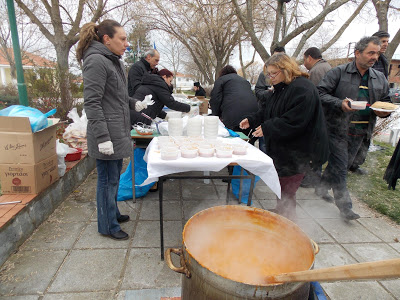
[(108, 172), (335, 174)]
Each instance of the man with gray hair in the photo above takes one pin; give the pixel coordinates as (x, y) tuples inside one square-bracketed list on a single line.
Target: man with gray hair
[(146, 64), (354, 81)]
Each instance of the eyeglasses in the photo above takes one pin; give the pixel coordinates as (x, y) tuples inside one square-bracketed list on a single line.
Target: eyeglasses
[(273, 75)]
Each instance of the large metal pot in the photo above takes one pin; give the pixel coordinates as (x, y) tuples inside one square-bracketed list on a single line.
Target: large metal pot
[(228, 252)]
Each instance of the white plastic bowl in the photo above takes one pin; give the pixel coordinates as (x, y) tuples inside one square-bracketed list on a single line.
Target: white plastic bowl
[(189, 152), (169, 153), (206, 150), (360, 105), (239, 149), (224, 151)]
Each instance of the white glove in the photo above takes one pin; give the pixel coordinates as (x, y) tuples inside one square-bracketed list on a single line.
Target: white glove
[(140, 105), (106, 148), (147, 100)]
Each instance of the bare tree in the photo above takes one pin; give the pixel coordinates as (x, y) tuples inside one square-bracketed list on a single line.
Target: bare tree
[(60, 22), (291, 22), (30, 40), (207, 28), (251, 72)]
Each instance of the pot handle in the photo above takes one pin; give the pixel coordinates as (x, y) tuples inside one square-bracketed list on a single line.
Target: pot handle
[(182, 269), (315, 246)]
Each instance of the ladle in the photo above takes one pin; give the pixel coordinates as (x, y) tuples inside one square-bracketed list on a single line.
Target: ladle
[(368, 270)]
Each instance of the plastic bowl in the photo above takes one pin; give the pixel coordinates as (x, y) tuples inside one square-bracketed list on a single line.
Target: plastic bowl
[(239, 149), (224, 151), (74, 156), (169, 153), (206, 150), (189, 152), (360, 105)]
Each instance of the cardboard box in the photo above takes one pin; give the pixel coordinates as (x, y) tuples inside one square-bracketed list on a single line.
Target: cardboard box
[(18, 144), (28, 178)]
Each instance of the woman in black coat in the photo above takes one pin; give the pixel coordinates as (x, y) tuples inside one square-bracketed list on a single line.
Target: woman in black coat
[(232, 98), (160, 87), (293, 125)]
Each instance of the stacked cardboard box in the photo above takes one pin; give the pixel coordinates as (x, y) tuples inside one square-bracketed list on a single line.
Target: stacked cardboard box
[(203, 108), (28, 161)]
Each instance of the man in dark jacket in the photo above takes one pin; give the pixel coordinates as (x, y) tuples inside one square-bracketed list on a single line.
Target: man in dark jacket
[(199, 91), (146, 64), (353, 81), (381, 65)]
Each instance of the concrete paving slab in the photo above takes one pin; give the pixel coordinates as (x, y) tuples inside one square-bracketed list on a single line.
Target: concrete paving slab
[(313, 230), (87, 192), (385, 231), (71, 211), (92, 239), (307, 194), (371, 252), (146, 270), (263, 192), (363, 290), (190, 208), (267, 204), (80, 272), (25, 297), (395, 246), (347, 232), (172, 190), (363, 210), (332, 255), (54, 235), (393, 286), (193, 189), (80, 296), (148, 234), (129, 208), (172, 210), (29, 272), (151, 294), (319, 209)]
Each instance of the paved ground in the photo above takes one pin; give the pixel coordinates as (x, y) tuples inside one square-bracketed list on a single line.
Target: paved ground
[(66, 258)]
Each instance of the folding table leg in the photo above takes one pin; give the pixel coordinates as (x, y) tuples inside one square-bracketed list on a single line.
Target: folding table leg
[(160, 198)]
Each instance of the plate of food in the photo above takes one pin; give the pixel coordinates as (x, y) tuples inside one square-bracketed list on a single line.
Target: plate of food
[(384, 106)]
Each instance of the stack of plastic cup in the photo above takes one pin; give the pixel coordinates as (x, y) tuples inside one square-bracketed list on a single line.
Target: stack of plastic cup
[(211, 127), (194, 126), (175, 126)]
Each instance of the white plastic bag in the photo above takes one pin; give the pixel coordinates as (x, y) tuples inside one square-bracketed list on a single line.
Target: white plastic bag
[(62, 151), (75, 133)]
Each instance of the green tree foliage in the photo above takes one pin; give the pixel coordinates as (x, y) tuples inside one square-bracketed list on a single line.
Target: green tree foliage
[(139, 41)]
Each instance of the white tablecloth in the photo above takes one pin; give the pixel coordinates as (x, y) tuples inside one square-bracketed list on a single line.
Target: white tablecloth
[(256, 161)]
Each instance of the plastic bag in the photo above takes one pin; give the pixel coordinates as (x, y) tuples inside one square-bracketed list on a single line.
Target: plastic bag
[(75, 133), (62, 151), (37, 119), (125, 181), (245, 184)]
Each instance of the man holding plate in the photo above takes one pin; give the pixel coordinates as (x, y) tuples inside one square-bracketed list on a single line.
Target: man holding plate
[(341, 86)]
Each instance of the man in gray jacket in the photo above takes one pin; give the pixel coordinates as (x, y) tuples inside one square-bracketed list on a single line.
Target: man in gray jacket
[(315, 64), (354, 81)]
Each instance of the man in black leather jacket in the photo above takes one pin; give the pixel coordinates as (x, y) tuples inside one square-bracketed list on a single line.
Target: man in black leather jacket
[(356, 80)]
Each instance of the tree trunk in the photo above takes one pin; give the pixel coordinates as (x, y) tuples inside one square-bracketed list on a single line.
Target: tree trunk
[(64, 83)]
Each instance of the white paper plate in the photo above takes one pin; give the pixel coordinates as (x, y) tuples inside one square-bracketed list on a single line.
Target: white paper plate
[(384, 110)]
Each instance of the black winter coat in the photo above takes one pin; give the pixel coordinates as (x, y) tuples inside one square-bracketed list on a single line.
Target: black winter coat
[(136, 74), (156, 86), (294, 128), (232, 99), (200, 92)]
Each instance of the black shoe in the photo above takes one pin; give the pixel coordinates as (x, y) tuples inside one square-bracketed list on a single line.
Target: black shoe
[(359, 171), (348, 214), (123, 218), (119, 235), (324, 195)]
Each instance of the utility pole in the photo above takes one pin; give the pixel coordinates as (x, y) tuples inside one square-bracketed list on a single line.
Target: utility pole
[(22, 92)]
